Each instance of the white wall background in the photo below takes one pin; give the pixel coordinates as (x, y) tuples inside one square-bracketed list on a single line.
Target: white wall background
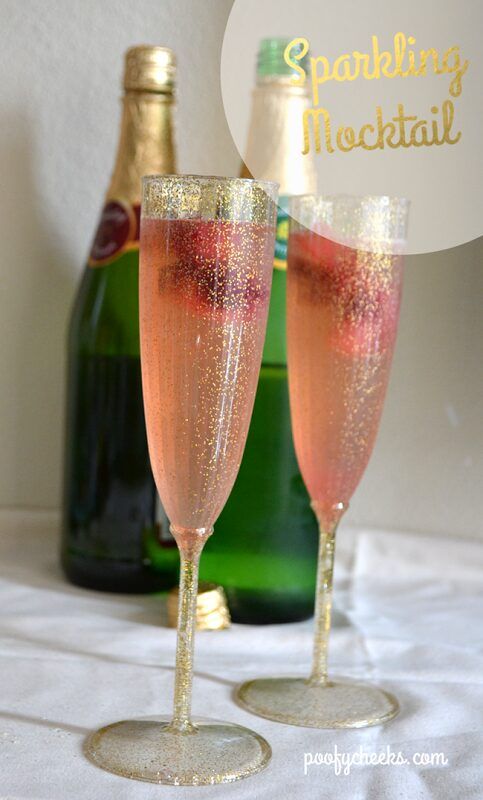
[(60, 71)]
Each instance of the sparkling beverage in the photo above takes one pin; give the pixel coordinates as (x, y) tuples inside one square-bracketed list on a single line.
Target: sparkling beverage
[(343, 311), (202, 316)]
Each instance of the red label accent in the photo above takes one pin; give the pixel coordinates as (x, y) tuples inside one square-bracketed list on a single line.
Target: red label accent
[(118, 228)]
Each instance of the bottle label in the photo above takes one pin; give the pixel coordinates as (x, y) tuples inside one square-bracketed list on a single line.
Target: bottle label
[(118, 231), (281, 235)]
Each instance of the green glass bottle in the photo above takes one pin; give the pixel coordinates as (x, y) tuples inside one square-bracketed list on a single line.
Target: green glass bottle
[(264, 549), (114, 534)]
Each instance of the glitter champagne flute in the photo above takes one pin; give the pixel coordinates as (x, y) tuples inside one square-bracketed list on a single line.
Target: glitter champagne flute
[(343, 297), (206, 265)]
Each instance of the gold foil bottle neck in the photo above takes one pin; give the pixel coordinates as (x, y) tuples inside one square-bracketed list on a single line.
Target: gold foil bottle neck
[(149, 68), (146, 143), (211, 608)]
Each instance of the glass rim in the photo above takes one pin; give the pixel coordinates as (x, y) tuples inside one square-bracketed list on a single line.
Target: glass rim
[(331, 198), (377, 223), (185, 177)]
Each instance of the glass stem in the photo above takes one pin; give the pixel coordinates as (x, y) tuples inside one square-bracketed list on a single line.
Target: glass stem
[(323, 606), (328, 522), (190, 544)]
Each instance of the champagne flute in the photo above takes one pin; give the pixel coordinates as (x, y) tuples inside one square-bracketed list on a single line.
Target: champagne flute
[(206, 265), (343, 297)]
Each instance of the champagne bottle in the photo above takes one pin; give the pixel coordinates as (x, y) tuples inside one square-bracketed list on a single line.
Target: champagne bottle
[(264, 550), (112, 531)]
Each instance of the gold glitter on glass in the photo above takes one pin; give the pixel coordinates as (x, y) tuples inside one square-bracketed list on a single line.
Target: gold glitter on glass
[(343, 296), (205, 274)]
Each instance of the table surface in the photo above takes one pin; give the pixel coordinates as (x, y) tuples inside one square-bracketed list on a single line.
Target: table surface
[(408, 617)]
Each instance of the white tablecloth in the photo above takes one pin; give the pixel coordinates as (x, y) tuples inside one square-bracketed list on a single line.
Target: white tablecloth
[(409, 616)]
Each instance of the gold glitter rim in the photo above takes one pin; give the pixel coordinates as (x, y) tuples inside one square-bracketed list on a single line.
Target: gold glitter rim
[(226, 179), (376, 223), (209, 197), (356, 197)]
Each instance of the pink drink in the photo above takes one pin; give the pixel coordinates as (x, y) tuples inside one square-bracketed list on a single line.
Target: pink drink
[(204, 291), (343, 308)]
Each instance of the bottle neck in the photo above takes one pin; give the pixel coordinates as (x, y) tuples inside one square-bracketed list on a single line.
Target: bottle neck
[(275, 138), (145, 144)]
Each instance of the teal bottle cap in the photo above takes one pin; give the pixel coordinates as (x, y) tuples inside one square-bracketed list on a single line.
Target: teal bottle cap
[(271, 62)]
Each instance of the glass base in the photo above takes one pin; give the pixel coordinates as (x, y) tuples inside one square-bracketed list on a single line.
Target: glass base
[(336, 704), (149, 750)]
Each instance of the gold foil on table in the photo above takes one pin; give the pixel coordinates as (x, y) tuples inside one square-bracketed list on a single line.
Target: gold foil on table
[(212, 612), (146, 142)]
